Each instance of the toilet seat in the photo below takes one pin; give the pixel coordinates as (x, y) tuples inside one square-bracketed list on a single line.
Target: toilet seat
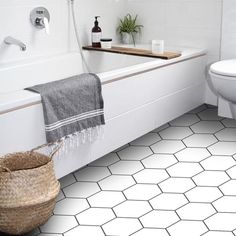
[(224, 68)]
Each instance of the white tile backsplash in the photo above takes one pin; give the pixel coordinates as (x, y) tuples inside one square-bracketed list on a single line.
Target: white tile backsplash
[(228, 49), (183, 23), (15, 21), (189, 23)]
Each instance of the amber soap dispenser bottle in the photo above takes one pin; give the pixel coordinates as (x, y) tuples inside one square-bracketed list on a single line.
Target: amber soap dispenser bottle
[(96, 34)]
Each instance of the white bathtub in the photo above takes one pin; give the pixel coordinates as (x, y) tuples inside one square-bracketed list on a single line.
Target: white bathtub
[(140, 95)]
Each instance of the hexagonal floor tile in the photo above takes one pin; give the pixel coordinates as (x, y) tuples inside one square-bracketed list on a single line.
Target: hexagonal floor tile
[(228, 134), (223, 148), (210, 114), (43, 234), (187, 228), (229, 188), (157, 130), (92, 174), (167, 147), (126, 167), (196, 211), (217, 233), (85, 230), (226, 204), (207, 127), (60, 196), (59, 224), (222, 221), (95, 216), (146, 140), (151, 232), (135, 153), (209, 106), (184, 169), (35, 232), (177, 185), (198, 109), (185, 120), (159, 219), (106, 160), (176, 133), (232, 172), (121, 148), (122, 226), (71, 206), (203, 194), (200, 140), (229, 123), (218, 163), (106, 199), (192, 154), (159, 161), (168, 201), (151, 176), (142, 192), (81, 190), (211, 178), (67, 180), (116, 183), (133, 209)]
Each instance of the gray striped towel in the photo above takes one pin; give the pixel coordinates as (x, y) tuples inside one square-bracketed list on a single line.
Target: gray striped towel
[(71, 106)]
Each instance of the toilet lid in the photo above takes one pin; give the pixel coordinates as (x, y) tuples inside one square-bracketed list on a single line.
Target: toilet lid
[(226, 68)]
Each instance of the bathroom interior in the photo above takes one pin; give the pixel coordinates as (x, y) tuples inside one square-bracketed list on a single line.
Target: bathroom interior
[(102, 136)]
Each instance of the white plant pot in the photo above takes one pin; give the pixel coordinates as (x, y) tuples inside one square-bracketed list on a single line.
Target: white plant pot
[(126, 38)]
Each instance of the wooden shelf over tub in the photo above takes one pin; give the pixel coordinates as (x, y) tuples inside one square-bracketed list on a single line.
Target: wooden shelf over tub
[(135, 52)]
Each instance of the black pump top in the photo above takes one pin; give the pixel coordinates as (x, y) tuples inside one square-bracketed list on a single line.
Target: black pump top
[(96, 20)]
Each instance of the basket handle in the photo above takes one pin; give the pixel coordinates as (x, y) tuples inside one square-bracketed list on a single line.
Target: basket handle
[(52, 154)]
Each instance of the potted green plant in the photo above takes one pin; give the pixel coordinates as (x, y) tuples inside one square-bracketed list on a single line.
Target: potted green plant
[(128, 28)]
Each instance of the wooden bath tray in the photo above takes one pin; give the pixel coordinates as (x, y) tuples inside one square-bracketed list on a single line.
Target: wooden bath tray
[(135, 52)]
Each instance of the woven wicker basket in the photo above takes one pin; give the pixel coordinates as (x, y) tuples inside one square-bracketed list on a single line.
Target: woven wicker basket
[(28, 191)]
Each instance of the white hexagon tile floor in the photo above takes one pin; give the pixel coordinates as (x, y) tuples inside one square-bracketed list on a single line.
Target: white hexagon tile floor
[(178, 180)]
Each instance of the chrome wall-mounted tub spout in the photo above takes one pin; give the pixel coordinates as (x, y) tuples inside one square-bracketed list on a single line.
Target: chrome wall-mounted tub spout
[(12, 41)]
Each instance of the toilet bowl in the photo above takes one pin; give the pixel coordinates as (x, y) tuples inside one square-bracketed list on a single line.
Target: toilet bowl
[(223, 78), (223, 84)]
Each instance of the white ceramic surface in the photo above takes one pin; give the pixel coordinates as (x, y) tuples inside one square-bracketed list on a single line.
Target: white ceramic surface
[(224, 68), (138, 98)]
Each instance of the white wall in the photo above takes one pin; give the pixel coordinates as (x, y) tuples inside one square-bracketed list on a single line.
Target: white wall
[(14, 21), (109, 10), (182, 23), (228, 49), (187, 23)]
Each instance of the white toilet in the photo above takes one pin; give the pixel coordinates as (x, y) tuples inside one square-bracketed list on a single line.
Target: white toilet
[(223, 77)]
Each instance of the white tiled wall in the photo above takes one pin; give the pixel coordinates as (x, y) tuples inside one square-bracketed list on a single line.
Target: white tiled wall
[(14, 21), (228, 49), (187, 23), (109, 10), (191, 23)]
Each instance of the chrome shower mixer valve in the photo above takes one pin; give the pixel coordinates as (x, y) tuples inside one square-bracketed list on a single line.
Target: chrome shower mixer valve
[(40, 18)]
